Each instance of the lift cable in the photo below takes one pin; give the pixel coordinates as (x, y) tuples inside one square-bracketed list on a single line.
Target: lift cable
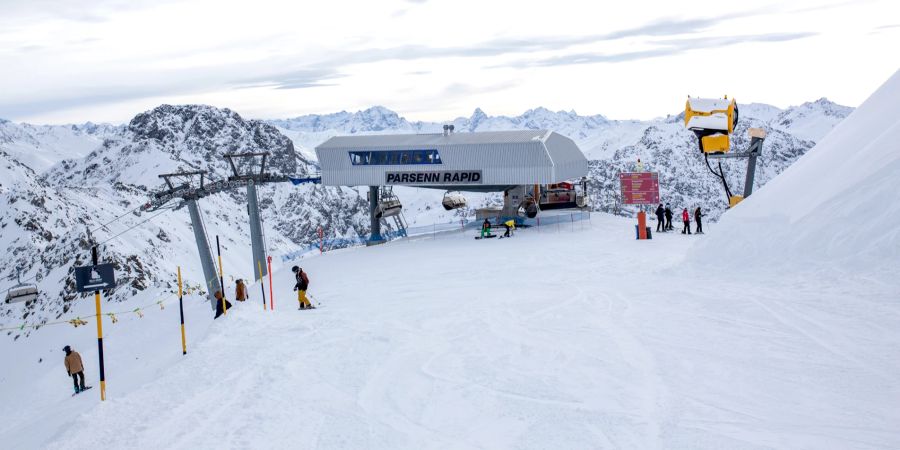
[(107, 240)]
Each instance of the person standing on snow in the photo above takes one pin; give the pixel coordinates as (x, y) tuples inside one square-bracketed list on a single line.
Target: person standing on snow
[(222, 304), (639, 167), (486, 228), (510, 226), (668, 212), (686, 217), (74, 368), (301, 287), (240, 291), (697, 216), (660, 218)]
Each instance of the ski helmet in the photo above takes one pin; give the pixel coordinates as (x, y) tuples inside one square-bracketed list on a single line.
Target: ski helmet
[(67, 349), (295, 269)]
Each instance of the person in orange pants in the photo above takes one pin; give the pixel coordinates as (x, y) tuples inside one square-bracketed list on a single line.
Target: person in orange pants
[(301, 287)]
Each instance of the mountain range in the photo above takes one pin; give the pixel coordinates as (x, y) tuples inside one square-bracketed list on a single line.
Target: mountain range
[(66, 187)]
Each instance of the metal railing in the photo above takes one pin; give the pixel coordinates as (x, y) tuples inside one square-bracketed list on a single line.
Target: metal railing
[(545, 223)]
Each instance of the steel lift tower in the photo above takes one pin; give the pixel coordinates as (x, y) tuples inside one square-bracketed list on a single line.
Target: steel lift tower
[(244, 171), (192, 186)]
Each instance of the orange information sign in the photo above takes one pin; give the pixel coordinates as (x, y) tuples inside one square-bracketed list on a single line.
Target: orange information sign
[(639, 188)]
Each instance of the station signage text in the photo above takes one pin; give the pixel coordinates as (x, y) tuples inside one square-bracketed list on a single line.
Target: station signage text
[(434, 177)]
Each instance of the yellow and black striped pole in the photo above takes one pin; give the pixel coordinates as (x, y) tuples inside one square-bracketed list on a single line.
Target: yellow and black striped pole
[(221, 278), (181, 311), (262, 284), (99, 333)]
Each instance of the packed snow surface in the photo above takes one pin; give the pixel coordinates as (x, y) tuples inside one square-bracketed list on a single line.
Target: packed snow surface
[(575, 336), (837, 206)]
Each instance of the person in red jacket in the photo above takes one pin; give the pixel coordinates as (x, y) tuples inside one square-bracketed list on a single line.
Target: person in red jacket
[(686, 217)]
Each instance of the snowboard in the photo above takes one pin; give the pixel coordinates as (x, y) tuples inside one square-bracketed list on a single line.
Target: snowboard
[(486, 237), (85, 388)]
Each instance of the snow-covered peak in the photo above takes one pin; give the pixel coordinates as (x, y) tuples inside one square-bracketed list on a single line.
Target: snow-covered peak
[(761, 111), (811, 120), (373, 119)]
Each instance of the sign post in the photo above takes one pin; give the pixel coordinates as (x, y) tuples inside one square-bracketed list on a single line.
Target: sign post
[(181, 312), (262, 283), (221, 277), (271, 292), (640, 188), (94, 278)]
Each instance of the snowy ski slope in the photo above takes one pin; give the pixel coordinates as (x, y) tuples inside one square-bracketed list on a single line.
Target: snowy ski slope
[(777, 329), (836, 208), (582, 338)]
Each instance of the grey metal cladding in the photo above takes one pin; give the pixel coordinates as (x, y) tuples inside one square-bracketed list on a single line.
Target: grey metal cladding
[(373, 141), (504, 157)]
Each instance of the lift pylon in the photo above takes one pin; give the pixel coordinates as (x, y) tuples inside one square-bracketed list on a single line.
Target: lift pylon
[(190, 187), (243, 167)]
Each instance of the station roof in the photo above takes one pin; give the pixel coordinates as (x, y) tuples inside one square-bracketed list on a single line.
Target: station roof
[(433, 139), (501, 158)]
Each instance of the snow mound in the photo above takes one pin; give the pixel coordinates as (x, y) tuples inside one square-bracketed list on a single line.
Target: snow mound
[(836, 206)]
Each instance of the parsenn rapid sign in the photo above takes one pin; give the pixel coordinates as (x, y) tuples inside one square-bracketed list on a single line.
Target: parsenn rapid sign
[(434, 177)]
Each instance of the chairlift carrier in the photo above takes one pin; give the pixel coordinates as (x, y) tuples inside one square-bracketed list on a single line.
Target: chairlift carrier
[(21, 292), (453, 200), (388, 204)]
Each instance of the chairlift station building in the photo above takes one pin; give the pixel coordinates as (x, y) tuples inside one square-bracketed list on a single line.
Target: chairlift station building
[(496, 161), (483, 162)]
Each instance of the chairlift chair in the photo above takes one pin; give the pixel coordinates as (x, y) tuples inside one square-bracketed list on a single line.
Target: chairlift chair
[(388, 204), (21, 292), (453, 200)]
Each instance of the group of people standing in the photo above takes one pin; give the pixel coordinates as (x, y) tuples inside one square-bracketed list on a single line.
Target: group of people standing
[(664, 216)]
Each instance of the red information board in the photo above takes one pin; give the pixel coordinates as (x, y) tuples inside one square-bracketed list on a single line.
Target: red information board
[(640, 188)]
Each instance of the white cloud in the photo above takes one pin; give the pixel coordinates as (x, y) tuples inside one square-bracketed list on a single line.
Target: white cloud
[(108, 60)]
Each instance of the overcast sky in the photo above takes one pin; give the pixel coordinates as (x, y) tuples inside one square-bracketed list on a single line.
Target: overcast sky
[(64, 61)]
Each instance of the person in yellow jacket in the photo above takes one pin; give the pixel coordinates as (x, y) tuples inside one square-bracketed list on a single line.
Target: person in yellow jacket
[(74, 368), (301, 287), (510, 227)]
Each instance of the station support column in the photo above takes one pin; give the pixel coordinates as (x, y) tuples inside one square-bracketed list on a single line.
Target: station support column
[(375, 238), (206, 259), (256, 234)]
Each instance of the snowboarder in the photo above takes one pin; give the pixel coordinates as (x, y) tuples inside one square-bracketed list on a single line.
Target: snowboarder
[(222, 304), (485, 228), (75, 368), (668, 212), (240, 291), (301, 287), (510, 226), (686, 217), (639, 166), (660, 218), (697, 216)]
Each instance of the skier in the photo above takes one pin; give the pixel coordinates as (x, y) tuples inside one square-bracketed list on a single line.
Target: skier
[(668, 212), (697, 216), (510, 226), (485, 228), (660, 218), (301, 287), (240, 291), (75, 368), (686, 217)]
